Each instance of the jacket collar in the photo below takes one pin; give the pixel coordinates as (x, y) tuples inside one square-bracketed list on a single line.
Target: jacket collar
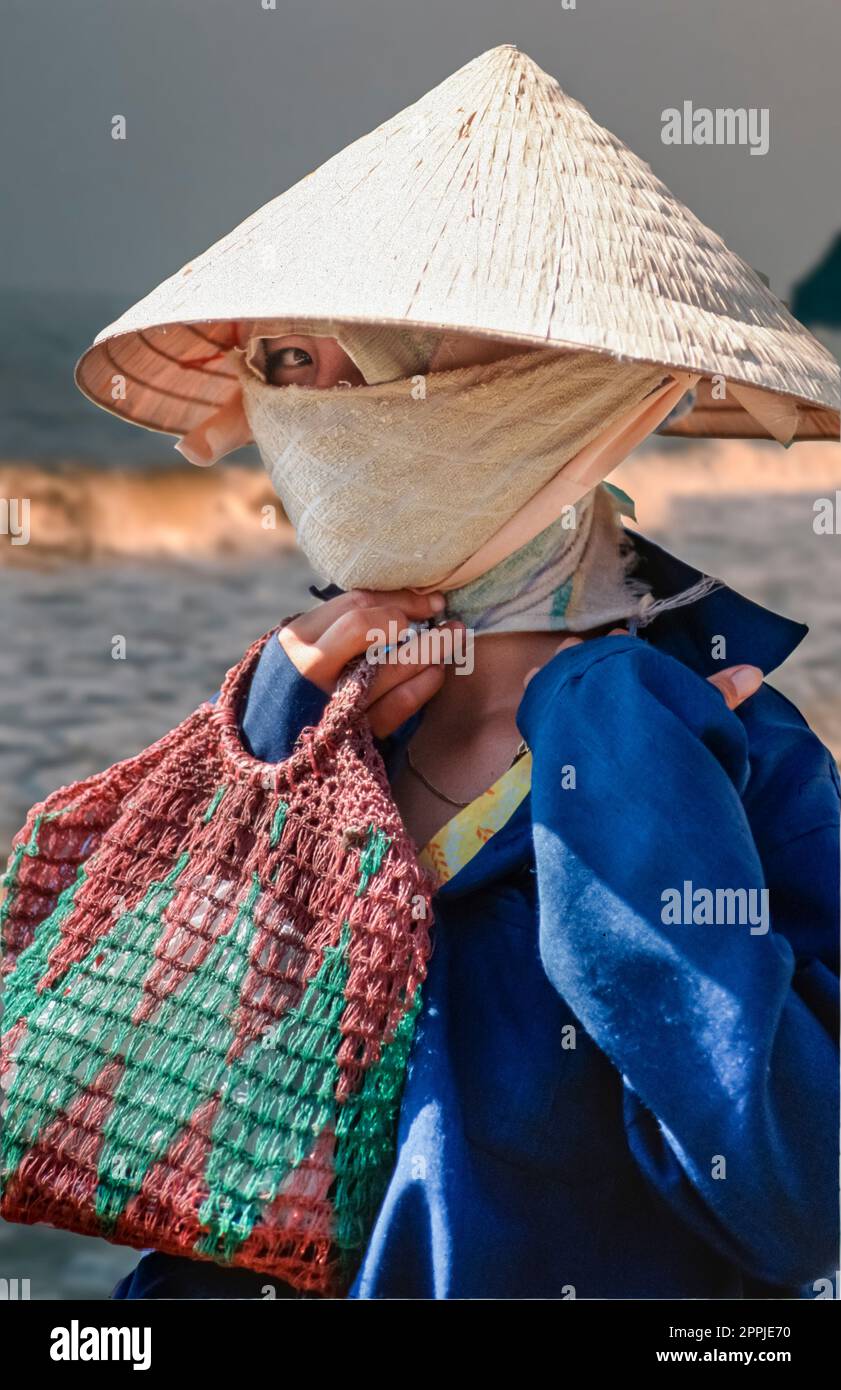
[(753, 635)]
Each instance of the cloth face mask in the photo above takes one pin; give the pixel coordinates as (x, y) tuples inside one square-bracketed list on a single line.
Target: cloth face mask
[(395, 485)]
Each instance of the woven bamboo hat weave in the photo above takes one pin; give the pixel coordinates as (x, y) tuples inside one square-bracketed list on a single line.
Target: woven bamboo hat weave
[(495, 206)]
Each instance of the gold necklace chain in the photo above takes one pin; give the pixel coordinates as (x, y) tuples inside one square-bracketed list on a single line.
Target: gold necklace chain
[(436, 791)]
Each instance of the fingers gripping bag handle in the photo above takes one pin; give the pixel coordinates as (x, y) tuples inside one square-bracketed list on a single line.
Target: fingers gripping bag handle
[(346, 708), (206, 1036)]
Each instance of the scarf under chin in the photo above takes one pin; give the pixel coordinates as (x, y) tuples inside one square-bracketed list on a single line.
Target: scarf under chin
[(575, 576)]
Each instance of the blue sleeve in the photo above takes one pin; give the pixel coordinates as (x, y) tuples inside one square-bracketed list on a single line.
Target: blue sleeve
[(721, 1035), (280, 703)]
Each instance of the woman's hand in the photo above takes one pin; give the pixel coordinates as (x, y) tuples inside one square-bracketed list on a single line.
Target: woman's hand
[(322, 641), (736, 683)]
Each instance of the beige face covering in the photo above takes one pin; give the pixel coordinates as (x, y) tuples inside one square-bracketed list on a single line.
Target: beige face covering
[(406, 483)]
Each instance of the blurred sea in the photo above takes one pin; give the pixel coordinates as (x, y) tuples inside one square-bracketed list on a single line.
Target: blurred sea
[(129, 541)]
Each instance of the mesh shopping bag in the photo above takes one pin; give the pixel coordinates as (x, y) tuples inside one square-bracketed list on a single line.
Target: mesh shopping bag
[(213, 973)]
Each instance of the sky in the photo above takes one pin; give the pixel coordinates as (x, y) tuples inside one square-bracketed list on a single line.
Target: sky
[(227, 103)]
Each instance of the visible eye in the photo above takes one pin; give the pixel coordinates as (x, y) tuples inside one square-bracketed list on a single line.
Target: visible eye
[(282, 359)]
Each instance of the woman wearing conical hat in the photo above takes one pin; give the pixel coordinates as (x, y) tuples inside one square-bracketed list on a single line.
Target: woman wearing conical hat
[(623, 1081)]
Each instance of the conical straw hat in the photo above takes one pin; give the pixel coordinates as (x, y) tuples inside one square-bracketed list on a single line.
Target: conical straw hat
[(497, 206)]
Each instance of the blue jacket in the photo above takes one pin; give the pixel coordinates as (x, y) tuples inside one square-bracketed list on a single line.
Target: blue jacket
[(601, 1102)]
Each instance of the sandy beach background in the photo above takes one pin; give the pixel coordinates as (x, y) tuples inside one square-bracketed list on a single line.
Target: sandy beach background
[(126, 540)]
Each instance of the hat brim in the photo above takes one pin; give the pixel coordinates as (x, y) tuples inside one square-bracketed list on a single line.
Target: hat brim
[(170, 377)]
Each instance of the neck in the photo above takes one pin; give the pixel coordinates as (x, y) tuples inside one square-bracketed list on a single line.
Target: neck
[(501, 662)]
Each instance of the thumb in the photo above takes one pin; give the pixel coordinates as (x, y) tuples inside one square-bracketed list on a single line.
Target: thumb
[(737, 683)]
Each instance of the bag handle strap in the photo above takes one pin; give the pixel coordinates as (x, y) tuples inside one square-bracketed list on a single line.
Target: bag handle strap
[(345, 708)]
